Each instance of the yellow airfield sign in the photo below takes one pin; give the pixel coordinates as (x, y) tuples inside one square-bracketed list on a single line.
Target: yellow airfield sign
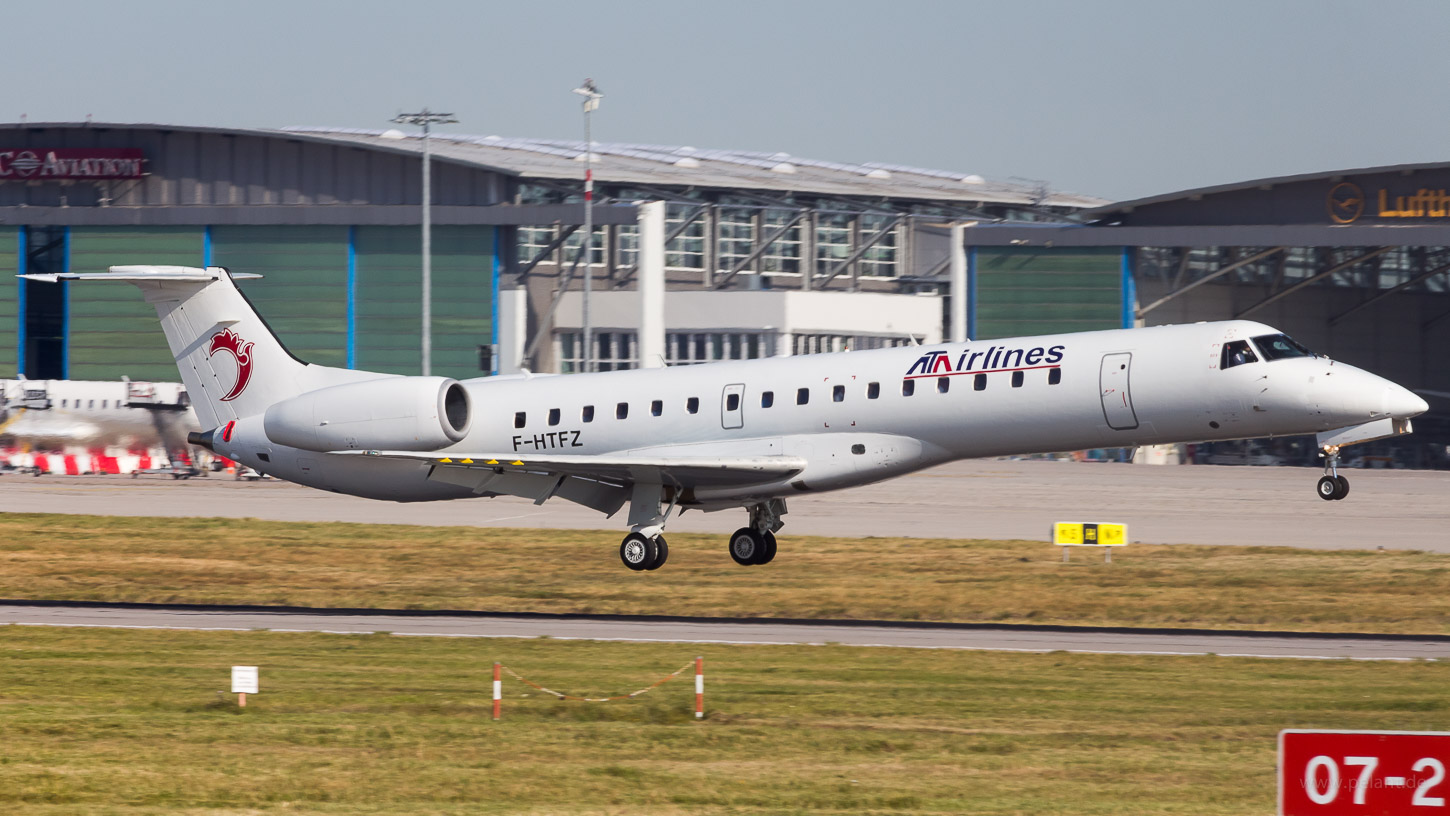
[(1089, 534)]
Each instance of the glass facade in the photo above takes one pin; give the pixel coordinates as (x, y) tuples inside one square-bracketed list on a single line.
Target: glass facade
[(303, 291), (1030, 291), (331, 293), (10, 316), (1383, 271), (112, 331), (389, 299)]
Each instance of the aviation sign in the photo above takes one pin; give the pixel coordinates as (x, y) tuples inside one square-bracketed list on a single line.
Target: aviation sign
[(1344, 773)]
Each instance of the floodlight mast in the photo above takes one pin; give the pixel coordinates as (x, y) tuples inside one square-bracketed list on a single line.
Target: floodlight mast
[(591, 96), (426, 119)]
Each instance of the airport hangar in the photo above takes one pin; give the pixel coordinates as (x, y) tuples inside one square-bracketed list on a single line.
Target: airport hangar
[(759, 254)]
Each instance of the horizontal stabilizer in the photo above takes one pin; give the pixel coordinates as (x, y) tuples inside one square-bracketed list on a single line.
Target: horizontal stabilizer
[(680, 471), (132, 274)]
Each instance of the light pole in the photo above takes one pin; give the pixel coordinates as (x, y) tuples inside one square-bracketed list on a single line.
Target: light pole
[(591, 96), (426, 118)]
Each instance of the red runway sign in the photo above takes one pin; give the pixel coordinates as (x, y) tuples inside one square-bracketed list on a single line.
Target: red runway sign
[(1363, 773)]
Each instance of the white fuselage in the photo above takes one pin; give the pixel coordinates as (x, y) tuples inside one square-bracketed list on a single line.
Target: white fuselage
[(1114, 388)]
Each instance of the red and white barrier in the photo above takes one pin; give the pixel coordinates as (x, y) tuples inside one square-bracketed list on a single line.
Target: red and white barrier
[(78, 462), (497, 691), (699, 688)]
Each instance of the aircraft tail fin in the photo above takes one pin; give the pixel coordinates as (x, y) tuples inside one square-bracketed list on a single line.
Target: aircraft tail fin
[(231, 362)]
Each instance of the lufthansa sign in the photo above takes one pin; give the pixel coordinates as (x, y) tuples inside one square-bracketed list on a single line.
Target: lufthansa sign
[(1347, 203), (71, 163)]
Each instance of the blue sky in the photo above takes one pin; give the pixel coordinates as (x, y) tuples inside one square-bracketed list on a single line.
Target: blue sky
[(1119, 99)]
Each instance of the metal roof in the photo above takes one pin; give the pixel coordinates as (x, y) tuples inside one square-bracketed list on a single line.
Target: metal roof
[(1257, 184), (664, 165)]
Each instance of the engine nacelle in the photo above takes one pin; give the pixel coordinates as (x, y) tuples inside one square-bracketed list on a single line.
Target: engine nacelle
[(391, 413)]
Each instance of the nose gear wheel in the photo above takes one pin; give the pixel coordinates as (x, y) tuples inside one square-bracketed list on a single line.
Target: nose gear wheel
[(1331, 486)]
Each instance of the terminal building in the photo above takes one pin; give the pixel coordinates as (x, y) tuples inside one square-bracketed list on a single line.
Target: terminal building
[(763, 253), (331, 219)]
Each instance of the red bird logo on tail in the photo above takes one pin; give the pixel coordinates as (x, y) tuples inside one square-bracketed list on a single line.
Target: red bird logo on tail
[(241, 350)]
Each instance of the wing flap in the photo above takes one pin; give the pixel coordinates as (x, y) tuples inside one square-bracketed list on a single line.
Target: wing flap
[(679, 471)]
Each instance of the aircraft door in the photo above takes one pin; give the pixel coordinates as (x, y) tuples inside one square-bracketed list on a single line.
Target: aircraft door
[(732, 406), (1117, 398)]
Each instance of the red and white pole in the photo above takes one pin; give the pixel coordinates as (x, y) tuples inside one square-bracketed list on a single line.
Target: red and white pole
[(497, 691), (699, 688)]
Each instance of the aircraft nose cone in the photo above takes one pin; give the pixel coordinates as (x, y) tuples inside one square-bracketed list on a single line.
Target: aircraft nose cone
[(1402, 403)]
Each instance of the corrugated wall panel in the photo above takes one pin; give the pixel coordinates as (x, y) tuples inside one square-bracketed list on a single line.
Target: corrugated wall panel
[(303, 294), (1044, 291), (9, 301), (113, 332), (389, 308)]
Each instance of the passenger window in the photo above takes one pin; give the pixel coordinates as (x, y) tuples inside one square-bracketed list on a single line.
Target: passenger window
[(1017, 377), (802, 396), (908, 387), (732, 402), (587, 414), (91, 404), (979, 382), (943, 385), (65, 403), (657, 407), (1236, 353), (553, 416), (519, 419), (873, 390), (838, 394), (105, 403), (621, 411), (1054, 376), (767, 399), (693, 405)]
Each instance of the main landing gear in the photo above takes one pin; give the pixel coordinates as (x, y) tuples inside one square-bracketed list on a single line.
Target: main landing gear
[(640, 552), (754, 545), (1332, 486), (645, 547)]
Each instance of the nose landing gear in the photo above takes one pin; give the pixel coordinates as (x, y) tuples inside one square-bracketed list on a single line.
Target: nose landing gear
[(1332, 486)]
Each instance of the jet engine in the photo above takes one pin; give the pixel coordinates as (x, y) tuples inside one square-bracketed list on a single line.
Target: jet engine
[(391, 413)]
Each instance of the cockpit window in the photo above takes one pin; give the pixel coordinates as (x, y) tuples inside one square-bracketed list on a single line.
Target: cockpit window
[(1280, 347), (1236, 353)]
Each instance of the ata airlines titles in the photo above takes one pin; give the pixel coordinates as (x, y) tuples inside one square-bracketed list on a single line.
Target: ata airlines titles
[(995, 358)]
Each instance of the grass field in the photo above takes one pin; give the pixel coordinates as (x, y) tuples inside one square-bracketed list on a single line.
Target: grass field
[(101, 558), (131, 722)]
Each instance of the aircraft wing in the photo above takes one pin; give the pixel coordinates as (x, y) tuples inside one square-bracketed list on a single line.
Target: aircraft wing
[(680, 471), (600, 482)]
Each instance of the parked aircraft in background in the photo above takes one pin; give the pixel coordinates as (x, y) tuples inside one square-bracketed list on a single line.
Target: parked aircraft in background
[(738, 434), (56, 414)]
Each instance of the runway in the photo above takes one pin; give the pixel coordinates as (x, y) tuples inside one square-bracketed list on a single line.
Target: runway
[(1200, 504), (738, 631)]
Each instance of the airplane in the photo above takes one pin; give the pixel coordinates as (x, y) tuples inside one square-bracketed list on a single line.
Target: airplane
[(741, 434), (54, 414)]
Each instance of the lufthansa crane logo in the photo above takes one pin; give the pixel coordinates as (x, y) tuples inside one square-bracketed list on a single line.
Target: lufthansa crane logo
[(1346, 202), (241, 351)]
